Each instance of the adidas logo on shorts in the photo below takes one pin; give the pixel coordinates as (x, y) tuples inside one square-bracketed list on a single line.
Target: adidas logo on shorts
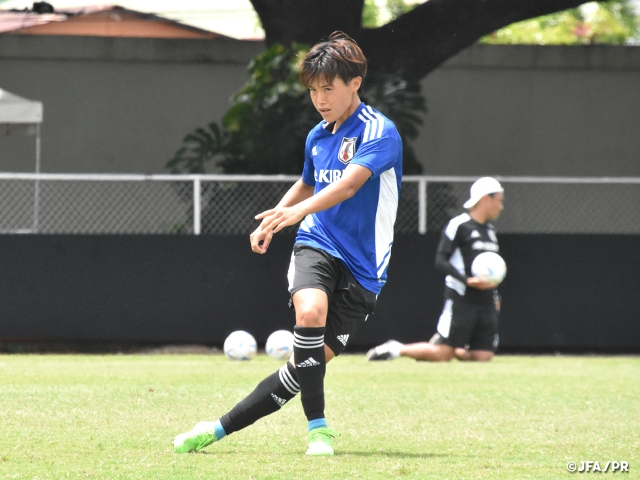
[(343, 339), (309, 362), (279, 401)]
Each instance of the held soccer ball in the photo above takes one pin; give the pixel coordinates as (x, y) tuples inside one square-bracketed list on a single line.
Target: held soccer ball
[(280, 345), (240, 345), (489, 266)]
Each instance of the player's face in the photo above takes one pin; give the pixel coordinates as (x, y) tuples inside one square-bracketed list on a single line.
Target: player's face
[(495, 205), (335, 101)]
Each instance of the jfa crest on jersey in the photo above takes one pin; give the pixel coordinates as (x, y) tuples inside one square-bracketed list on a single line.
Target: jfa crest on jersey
[(347, 149)]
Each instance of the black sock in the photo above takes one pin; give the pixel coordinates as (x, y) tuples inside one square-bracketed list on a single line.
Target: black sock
[(269, 396), (311, 365)]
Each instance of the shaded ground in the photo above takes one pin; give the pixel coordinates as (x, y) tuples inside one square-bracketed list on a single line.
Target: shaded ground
[(104, 348), (118, 348)]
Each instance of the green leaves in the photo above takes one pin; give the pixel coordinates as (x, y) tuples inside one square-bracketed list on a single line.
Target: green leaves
[(374, 16), (265, 128), (201, 146), (613, 22)]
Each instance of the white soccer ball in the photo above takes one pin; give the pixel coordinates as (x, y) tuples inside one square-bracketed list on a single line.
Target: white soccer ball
[(489, 266), (280, 345), (240, 345)]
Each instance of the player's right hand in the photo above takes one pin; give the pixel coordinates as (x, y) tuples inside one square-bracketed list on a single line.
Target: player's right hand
[(481, 283), (260, 240)]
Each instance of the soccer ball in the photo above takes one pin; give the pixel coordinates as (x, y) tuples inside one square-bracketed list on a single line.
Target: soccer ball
[(240, 345), (489, 266), (280, 345)]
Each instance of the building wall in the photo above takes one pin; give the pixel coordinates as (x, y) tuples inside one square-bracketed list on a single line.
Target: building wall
[(124, 105), (522, 110), (117, 105)]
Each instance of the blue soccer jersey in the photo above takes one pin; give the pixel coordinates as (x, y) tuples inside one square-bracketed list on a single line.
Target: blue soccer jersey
[(359, 230)]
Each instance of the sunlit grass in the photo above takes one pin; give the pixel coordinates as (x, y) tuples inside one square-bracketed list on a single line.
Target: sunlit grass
[(115, 416)]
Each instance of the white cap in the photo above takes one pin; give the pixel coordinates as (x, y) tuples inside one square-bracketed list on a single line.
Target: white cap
[(481, 187)]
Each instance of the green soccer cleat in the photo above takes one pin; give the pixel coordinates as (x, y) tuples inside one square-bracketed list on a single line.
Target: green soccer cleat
[(200, 436), (320, 442)]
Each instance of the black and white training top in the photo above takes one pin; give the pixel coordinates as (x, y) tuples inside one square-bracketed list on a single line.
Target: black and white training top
[(462, 241)]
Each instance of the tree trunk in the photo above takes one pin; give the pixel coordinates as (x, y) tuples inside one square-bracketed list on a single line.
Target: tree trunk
[(416, 42)]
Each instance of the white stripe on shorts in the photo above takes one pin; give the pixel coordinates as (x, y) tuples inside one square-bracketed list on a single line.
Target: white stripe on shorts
[(444, 323), (292, 271)]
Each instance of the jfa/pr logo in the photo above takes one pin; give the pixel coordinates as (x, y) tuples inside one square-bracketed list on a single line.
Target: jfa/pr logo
[(587, 466)]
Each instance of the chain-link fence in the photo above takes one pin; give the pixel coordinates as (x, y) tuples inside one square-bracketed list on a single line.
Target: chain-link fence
[(544, 204), (226, 204)]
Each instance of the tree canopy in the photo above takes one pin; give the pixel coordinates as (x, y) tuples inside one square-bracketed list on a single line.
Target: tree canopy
[(264, 130), (613, 22), (417, 41)]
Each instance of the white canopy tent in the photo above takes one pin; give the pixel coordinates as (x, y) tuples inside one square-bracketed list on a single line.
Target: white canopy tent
[(21, 116)]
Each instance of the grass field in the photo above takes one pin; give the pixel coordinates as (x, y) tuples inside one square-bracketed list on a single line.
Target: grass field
[(114, 416)]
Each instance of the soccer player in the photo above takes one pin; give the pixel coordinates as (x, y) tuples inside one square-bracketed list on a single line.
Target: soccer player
[(347, 200), (468, 325)]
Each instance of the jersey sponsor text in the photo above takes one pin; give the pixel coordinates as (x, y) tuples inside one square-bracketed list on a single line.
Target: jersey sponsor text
[(328, 176), (485, 246)]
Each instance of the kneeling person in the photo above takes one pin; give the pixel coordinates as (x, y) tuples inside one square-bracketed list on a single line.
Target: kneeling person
[(468, 326)]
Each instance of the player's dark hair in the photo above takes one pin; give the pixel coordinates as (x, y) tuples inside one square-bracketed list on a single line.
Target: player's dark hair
[(339, 56)]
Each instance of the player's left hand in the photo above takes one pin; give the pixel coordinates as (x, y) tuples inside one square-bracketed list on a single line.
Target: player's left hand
[(260, 240), (481, 283), (277, 218)]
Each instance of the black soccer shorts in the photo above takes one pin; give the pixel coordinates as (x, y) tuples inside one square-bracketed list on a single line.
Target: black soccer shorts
[(463, 323), (350, 304)]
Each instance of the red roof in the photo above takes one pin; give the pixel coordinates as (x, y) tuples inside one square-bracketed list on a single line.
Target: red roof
[(102, 21)]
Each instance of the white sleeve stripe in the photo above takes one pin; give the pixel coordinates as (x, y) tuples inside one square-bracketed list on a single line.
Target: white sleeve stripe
[(366, 132), (380, 125), (373, 129), (374, 125), (377, 126), (366, 128), (380, 121)]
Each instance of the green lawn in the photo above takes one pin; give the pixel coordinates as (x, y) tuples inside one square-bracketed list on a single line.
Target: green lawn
[(114, 416)]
